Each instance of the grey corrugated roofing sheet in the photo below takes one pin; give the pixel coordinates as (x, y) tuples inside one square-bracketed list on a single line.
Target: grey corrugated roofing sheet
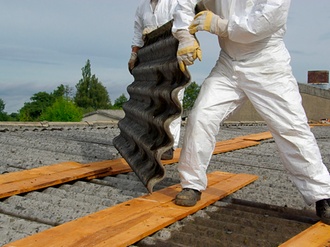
[(153, 104), (262, 212)]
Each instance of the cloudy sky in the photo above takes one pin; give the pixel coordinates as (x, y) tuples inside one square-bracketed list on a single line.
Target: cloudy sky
[(45, 43)]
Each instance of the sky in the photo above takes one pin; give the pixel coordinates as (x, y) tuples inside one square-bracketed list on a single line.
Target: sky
[(46, 43)]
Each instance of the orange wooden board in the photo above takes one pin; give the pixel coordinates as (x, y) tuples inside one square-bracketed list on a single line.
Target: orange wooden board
[(258, 136), (221, 147), (129, 222), (231, 145), (35, 172), (43, 177), (318, 235)]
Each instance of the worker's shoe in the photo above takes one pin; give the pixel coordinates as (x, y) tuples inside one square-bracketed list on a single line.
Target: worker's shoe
[(323, 210), (188, 197), (168, 155)]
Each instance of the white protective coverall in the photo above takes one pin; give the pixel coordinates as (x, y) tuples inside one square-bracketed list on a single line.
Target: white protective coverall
[(148, 19), (253, 64)]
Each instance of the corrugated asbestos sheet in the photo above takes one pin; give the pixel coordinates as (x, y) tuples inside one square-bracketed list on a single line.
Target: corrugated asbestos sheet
[(153, 104)]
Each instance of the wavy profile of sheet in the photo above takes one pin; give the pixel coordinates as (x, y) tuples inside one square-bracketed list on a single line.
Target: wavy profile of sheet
[(153, 104)]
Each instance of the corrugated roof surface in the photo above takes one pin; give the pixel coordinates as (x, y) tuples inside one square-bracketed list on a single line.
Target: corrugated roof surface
[(263, 212)]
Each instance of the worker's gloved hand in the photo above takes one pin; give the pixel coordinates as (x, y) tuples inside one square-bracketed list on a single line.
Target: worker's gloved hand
[(132, 61), (188, 49), (146, 31), (208, 21)]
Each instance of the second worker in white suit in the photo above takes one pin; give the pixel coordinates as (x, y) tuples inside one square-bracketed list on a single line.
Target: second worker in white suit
[(253, 64)]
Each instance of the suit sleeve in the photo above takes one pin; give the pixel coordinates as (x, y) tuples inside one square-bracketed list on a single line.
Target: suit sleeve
[(184, 14), (264, 19)]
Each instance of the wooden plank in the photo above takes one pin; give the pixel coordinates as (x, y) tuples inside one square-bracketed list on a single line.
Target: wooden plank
[(258, 136), (220, 147), (318, 235), (319, 124), (117, 166), (35, 172), (233, 145), (128, 222), (45, 179)]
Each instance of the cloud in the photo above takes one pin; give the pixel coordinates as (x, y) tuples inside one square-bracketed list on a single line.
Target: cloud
[(45, 43), (324, 37), (11, 53), (22, 93)]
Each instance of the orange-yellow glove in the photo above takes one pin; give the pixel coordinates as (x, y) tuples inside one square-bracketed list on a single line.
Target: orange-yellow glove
[(188, 49), (208, 21)]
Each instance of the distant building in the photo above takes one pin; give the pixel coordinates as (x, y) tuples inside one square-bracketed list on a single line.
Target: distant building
[(318, 78), (315, 99), (104, 115)]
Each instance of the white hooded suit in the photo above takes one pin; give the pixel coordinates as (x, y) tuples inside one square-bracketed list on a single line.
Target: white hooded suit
[(253, 64)]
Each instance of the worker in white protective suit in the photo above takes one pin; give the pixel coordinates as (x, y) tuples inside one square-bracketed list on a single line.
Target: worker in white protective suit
[(150, 15), (253, 64)]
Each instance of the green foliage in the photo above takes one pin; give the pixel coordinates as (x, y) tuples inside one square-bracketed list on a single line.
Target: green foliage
[(190, 94), (91, 92), (31, 111), (3, 115), (2, 105), (13, 117), (119, 102), (62, 110), (63, 91), (59, 92)]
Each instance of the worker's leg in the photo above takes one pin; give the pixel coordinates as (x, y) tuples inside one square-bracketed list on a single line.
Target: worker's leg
[(278, 101)]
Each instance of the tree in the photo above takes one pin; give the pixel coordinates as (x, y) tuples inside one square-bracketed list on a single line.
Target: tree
[(91, 92), (59, 92), (31, 111), (63, 91), (119, 102), (190, 94), (2, 105), (62, 110), (13, 116), (3, 114)]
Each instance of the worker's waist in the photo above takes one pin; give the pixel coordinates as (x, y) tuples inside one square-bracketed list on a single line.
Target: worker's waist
[(246, 51)]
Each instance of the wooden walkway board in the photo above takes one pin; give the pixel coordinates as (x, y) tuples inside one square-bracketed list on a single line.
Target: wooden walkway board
[(129, 222), (257, 137), (231, 145), (224, 146), (35, 172), (43, 177), (317, 235), (38, 178)]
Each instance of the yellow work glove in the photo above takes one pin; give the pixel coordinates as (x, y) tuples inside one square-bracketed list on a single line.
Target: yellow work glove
[(208, 21), (188, 49)]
